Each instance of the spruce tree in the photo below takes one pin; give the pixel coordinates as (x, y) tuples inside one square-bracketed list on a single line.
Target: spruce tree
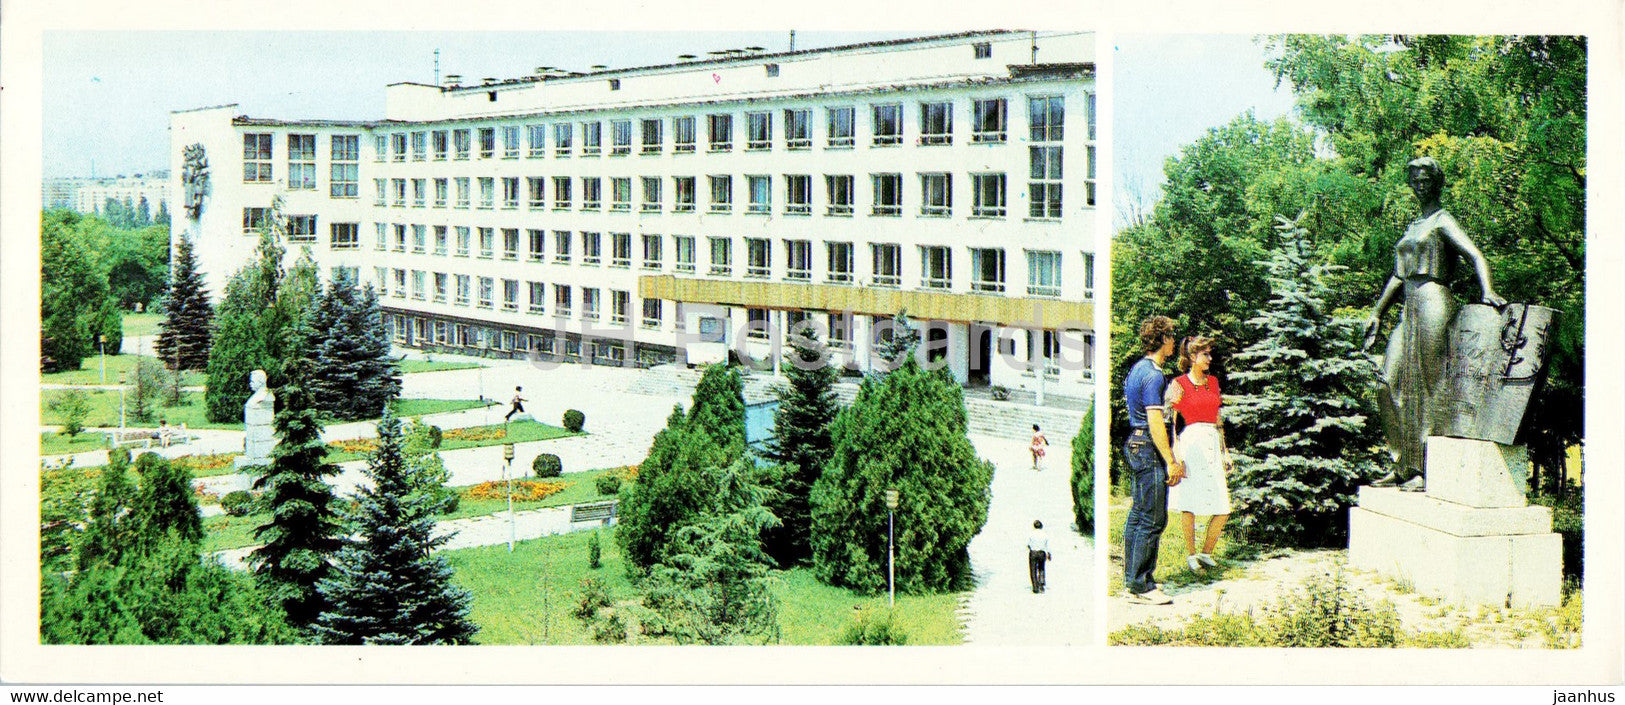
[(183, 337), (1303, 419), (386, 587), (801, 442), (354, 375), (237, 348), (303, 531), (719, 408), (899, 345), (905, 431)]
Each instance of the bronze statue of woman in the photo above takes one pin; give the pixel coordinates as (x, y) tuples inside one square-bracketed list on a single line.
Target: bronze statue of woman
[(1424, 259)]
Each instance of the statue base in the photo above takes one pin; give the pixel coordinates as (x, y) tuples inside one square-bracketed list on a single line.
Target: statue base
[(1471, 538)]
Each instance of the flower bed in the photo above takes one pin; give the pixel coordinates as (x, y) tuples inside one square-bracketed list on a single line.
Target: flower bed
[(200, 464), (358, 446), (523, 490), (477, 433)]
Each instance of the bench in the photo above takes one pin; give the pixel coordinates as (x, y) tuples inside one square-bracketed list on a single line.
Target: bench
[(178, 435), (602, 511)]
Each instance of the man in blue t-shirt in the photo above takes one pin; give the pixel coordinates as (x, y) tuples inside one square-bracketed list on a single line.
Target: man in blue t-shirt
[(1151, 462)]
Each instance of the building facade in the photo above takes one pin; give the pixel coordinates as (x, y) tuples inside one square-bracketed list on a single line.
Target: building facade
[(684, 212)]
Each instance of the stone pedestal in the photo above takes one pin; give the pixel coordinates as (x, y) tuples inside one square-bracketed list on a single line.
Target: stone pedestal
[(1472, 538)]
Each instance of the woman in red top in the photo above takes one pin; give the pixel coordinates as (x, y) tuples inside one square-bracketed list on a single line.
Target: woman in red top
[(1201, 447)]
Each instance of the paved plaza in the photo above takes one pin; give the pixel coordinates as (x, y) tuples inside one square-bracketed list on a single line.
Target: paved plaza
[(621, 423)]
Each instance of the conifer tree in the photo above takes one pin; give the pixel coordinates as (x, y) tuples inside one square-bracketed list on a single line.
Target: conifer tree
[(801, 442), (719, 408), (1306, 443), (183, 337), (386, 586), (1083, 473), (354, 375), (905, 431), (900, 344), (237, 348), (303, 531), (109, 528), (166, 503)]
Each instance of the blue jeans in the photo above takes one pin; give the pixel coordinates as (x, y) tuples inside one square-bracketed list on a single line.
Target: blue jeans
[(1148, 516)]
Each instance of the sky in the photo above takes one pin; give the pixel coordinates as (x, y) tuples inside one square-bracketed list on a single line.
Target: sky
[(108, 95), (1168, 90)]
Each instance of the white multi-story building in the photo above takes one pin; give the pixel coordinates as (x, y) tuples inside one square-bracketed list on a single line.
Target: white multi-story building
[(672, 213), (90, 195)]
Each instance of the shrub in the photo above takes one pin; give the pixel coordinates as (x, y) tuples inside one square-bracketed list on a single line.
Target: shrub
[(608, 483), (1322, 612), (611, 629), (1083, 474), (450, 501), (871, 630), (547, 465), (239, 503), (595, 551), (436, 436), (574, 421), (72, 406), (999, 393), (594, 596)]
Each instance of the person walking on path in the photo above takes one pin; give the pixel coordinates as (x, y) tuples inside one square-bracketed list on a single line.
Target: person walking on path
[(1037, 555), (1195, 396), (1039, 443), (1152, 466), (518, 405)]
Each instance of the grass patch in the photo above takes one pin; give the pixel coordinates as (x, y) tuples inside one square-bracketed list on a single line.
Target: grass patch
[(104, 411), (424, 407), (60, 443), (91, 372), (519, 610), (1233, 555), (138, 324), (412, 367), (459, 438)]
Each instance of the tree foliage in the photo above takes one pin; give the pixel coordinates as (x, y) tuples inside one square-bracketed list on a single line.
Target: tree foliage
[(354, 375), (1305, 421), (183, 337), (715, 586), (801, 443), (73, 290), (386, 586), (906, 431), (302, 533), (1083, 474)]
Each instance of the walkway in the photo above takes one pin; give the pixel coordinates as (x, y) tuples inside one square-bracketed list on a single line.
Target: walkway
[(1002, 610)]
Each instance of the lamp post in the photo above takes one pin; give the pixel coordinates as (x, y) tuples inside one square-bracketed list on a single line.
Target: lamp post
[(121, 378), (101, 347), (507, 471), (891, 553)]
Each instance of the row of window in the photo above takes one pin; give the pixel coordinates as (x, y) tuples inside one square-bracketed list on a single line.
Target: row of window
[(344, 171), (990, 123), (839, 258), (414, 330), (989, 192)]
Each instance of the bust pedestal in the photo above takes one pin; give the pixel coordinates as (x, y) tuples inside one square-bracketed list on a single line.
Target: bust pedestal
[(1471, 538)]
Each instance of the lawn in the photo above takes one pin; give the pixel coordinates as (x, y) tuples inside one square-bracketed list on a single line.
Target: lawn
[(1233, 556), (59, 443), (223, 532), (459, 438), (90, 372), (410, 367), (137, 324), (104, 411), (525, 597)]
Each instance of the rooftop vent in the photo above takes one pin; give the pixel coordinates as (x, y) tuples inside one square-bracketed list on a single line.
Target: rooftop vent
[(454, 80), (488, 80), (686, 57)]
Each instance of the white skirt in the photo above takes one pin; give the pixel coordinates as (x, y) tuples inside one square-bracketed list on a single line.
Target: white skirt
[(1204, 490)]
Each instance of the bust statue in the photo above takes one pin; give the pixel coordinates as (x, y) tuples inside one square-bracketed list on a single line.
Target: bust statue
[(259, 413)]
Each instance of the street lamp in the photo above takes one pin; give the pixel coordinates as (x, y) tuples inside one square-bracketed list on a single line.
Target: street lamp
[(101, 347), (507, 459), (891, 560), (121, 378)]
